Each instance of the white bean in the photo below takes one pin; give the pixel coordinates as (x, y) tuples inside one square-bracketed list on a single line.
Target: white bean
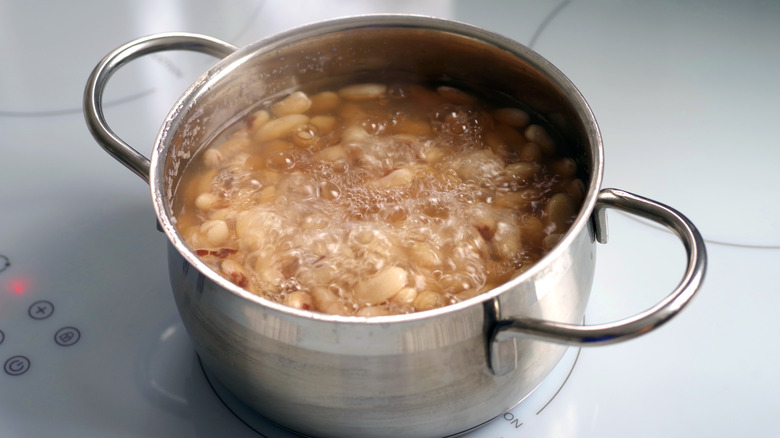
[(540, 136), (512, 116), (360, 92), (318, 275), (478, 166), (263, 264), (432, 155), (279, 128), (255, 227), (324, 101), (427, 300), (530, 152), (258, 119), (325, 301), (354, 134), (205, 201), (423, 255), (299, 300), (521, 171), (396, 179), (382, 286), (213, 158), (506, 240), (325, 124), (295, 103), (331, 154), (215, 231), (560, 210), (405, 296)]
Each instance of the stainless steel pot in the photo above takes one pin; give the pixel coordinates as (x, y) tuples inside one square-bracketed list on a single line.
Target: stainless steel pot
[(434, 373)]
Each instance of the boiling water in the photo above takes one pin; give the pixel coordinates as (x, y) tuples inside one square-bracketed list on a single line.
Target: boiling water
[(405, 201)]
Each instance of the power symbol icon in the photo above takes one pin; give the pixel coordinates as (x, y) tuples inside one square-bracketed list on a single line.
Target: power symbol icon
[(16, 365)]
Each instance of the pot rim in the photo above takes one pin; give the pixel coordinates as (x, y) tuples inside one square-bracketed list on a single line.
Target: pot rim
[(354, 23)]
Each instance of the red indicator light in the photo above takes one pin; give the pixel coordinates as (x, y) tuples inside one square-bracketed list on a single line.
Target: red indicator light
[(19, 285), (16, 285)]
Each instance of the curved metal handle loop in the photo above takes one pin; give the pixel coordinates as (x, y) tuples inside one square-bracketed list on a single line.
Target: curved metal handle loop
[(93, 94), (643, 322)]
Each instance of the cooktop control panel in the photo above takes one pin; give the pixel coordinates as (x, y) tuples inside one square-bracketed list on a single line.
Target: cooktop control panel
[(31, 328), (21, 343)]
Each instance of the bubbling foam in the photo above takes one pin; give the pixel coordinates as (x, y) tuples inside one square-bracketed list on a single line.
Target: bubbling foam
[(406, 200)]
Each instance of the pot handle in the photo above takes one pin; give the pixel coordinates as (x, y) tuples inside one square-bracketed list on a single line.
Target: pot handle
[(601, 334), (93, 93)]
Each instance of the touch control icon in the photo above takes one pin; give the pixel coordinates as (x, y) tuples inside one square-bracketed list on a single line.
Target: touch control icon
[(16, 365), (67, 336), (40, 309)]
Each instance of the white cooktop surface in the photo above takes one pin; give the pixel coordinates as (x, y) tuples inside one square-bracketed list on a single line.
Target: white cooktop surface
[(686, 96)]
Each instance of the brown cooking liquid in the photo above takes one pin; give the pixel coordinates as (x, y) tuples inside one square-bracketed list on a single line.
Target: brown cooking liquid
[(378, 199)]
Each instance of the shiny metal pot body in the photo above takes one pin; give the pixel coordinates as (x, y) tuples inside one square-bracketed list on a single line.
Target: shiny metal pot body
[(434, 373)]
